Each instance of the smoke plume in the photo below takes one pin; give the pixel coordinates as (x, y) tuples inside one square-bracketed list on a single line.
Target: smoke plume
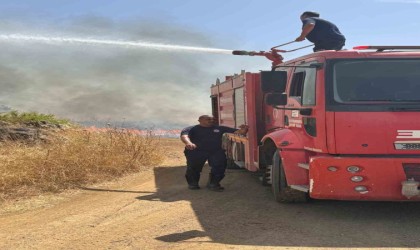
[(99, 83)]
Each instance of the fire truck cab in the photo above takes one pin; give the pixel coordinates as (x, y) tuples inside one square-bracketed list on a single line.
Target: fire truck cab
[(340, 125)]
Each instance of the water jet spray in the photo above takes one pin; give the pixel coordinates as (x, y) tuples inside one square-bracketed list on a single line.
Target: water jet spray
[(119, 43), (273, 55)]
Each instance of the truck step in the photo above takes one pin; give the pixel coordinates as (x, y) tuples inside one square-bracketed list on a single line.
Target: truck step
[(303, 165), (303, 188)]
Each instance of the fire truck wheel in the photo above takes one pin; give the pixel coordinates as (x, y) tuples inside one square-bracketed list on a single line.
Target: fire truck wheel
[(282, 192)]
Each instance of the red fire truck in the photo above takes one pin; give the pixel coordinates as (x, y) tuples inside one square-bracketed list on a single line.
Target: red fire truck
[(341, 125)]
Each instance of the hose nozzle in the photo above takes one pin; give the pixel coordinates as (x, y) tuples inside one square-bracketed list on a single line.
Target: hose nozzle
[(242, 53), (270, 55)]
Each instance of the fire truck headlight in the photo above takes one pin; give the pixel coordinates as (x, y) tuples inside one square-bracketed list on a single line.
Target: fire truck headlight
[(361, 189), (356, 178), (353, 169)]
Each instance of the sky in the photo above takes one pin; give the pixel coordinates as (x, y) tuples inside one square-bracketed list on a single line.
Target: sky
[(160, 88)]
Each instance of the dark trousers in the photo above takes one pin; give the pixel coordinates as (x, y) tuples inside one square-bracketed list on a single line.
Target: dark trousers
[(196, 160), (330, 45)]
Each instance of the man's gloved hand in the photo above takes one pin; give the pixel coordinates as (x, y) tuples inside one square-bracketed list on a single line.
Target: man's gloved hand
[(243, 129)]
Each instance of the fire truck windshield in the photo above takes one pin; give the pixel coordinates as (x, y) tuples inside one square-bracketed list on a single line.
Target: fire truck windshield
[(377, 81)]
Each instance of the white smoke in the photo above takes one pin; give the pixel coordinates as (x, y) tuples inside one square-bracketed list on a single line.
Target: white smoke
[(90, 78)]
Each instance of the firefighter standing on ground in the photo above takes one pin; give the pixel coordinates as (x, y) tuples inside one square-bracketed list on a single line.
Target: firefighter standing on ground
[(203, 142), (324, 34)]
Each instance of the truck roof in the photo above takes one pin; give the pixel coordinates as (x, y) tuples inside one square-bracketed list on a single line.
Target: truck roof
[(332, 54)]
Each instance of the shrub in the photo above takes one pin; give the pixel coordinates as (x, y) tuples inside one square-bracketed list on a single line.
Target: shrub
[(25, 117)]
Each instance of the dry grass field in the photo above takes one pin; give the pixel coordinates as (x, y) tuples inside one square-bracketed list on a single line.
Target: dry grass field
[(72, 158)]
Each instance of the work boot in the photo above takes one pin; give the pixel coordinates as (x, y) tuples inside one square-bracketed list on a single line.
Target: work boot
[(192, 182), (216, 187), (214, 184), (193, 187)]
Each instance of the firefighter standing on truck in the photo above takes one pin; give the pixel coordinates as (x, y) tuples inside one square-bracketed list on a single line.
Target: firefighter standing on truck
[(203, 142), (324, 34)]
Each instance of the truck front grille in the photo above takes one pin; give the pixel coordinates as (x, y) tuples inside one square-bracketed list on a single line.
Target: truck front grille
[(412, 170)]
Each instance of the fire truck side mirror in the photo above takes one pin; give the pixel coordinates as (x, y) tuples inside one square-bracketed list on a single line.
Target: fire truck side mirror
[(276, 99), (273, 81)]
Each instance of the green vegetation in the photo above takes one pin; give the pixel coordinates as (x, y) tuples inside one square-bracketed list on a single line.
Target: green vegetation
[(28, 117)]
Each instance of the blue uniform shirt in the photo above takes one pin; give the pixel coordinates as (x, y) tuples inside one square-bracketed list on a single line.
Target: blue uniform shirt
[(324, 32), (207, 138)]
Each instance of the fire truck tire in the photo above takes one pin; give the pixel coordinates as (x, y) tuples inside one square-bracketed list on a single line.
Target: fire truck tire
[(266, 176), (282, 192)]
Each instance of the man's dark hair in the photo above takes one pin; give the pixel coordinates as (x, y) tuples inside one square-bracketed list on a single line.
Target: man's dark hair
[(204, 116), (310, 14)]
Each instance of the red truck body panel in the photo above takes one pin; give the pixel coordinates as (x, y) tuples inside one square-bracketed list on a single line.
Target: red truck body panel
[(240, 102), (372, 133)]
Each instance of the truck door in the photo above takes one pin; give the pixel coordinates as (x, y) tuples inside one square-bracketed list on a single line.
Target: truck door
[(301, 112), (273, 117)]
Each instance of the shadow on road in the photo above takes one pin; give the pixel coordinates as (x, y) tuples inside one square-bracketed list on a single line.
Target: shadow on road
[(177, 237), (114, 190), (246, 214)]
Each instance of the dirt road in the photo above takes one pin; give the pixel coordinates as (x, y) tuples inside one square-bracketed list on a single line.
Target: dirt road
[(155, 210)]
